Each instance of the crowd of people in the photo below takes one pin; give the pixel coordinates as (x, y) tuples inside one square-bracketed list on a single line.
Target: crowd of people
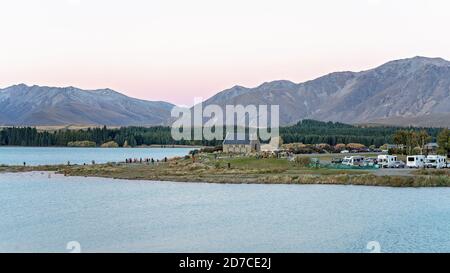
[(144, 160)]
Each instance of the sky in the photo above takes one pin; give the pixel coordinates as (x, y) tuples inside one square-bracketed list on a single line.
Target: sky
[(175, 50)]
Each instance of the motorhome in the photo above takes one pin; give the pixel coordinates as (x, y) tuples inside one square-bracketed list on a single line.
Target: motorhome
[(415, 161), (353, 161), (387, 161), (436, 161)]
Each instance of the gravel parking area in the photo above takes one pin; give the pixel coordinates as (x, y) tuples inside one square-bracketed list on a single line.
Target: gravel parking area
[(393, 172)]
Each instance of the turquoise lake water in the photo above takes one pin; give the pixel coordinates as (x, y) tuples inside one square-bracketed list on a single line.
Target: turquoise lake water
[(40, 213), (43, 156)]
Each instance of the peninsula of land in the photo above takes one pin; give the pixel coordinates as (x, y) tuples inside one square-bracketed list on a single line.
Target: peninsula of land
[(211, 168)]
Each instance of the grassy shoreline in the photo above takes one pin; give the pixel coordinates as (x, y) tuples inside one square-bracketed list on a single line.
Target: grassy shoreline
[(243, 170), (99, 147)]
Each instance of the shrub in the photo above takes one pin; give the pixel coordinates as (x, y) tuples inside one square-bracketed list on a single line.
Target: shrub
[(110, 144), (81, 144), (211, 149), (355, 146), (340, 147), (302, 161)]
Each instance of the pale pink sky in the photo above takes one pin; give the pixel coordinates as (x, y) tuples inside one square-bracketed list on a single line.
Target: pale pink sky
[(177, 50)]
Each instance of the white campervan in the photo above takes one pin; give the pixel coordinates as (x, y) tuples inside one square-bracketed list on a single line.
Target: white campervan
[(353, 160), (415, 161), (436, 161), (386, 161)]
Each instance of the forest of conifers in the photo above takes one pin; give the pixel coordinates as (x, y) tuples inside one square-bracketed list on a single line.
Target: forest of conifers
[(306, 131)]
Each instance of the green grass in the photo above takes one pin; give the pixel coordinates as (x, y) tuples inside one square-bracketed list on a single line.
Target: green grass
[(253, 163)]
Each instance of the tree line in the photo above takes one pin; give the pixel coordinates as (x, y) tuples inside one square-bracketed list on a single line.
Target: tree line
[(413, 141), (332, 133), (306, 131)]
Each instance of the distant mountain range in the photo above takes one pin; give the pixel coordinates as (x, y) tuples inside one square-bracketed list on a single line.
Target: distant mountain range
[(412, 91), (39, 105), (404, 92)]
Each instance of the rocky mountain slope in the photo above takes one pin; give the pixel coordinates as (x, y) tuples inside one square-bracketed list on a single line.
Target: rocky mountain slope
[(412, 91), (38, 105)]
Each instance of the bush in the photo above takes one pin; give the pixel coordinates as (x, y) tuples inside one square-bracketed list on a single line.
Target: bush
[(211, 149), (194, 152), (340, 147), (355, 146), (81, 144), (302, 161), (110, 144)]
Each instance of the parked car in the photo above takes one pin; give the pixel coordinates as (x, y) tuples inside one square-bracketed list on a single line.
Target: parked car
[(370, 161), (345, 152), (399, 164), (337, 160)]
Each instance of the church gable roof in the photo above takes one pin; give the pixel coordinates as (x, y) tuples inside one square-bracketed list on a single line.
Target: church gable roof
[(237, 139)]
